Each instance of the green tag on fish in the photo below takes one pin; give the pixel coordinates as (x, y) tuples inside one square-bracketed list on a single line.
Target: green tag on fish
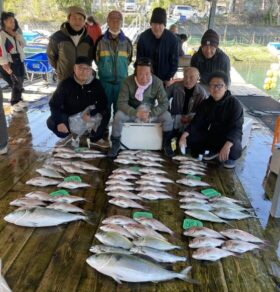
[(60, 193), (80, 149), (73, 178), (142, 214), (188, 223), (210, 193), (195, 177), (134, 168)]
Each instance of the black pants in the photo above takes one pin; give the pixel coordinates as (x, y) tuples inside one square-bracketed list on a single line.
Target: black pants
[(15, 80), (53, 127), (198, 142)]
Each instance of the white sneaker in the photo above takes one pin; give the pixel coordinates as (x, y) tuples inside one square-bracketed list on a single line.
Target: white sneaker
[(101, 143), (16, 108), (23, 104), (4, 150)]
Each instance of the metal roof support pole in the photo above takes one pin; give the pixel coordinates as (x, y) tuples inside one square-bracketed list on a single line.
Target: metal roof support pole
[(211, 22), (275, 207)]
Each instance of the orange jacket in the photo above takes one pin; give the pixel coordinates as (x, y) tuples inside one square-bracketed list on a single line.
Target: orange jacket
[(94, 31)]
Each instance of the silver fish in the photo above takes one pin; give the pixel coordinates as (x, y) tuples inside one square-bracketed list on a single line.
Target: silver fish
[(199, 242), (183, 158), (151, 158), (68, 199), (73, 169), (65, 207), (41, 217), (113, 239), (124, 194), (65, 155), (191, 172), (154, 224), (118, 187), (122, 176), (139, 230), (231, 214), (116, 228), (150, 163), (147, 153), (88, 151), (56, 168), (27, 202), (158, 255), (125, 171), (198, 206), (130, 152), (130, 268), (152, 170), (204, 215), (211, 254), (38, 195), (227, 205), (192, 165), (126, 203), (156, 178), (63, 149), (85, 166), (143, 188), (226, 199), (193, 194), (100, 248), (152, 195), (127, 157), (49, 173), (202, 231), (149, 183), (238, 234), (239, 246), (41, 181), (73, 185), (154, 242), (118, 181), (192, 182), (118, 219), (85, 155), (125, 161), (57, 161), (193, 200)]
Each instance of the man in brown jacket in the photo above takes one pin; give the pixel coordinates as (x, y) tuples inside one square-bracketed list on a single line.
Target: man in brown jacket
[(69, 43)]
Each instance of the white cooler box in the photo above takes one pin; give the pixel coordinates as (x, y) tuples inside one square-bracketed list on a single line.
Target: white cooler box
[(142, 136), (247, 126)]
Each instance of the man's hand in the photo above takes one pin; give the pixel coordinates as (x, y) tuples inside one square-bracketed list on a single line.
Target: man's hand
[(185, 120), (7, 68), (62, 128), (86, 117), (224, 152), (143, 116), (183, 140)]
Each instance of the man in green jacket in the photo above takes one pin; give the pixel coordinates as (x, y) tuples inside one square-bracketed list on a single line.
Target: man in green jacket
[(113, 55), (142, 99), (69, 43)]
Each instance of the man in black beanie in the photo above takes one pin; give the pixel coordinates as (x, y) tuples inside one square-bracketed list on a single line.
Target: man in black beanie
[(160, 45), (209, 58)]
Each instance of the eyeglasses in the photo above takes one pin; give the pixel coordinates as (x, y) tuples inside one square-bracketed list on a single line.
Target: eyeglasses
[(218, 86)]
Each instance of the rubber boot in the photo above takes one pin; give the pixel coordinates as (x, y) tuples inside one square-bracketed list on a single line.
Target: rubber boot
[(166, 145), (116, 146)]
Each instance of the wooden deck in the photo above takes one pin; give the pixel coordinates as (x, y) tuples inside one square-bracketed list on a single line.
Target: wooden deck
[(54, 259)]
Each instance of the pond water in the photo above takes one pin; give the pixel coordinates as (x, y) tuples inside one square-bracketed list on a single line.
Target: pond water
[(255, 73)]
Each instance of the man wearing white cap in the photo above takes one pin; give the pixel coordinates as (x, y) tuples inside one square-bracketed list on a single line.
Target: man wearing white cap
[(69, 43)]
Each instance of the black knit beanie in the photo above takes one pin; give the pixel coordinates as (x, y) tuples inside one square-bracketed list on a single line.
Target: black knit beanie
[(159, 16), (210, 38)]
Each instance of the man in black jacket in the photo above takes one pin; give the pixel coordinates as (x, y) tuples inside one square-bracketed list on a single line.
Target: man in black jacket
[(209, 58), (75, 94), (217, 125), (161, 46)]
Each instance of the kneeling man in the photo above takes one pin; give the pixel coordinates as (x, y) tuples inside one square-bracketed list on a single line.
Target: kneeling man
[(142, 99), (75, 95), (217, 125)]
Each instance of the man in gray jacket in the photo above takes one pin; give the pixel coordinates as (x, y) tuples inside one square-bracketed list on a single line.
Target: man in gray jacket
[(186, 96), (142, 98)]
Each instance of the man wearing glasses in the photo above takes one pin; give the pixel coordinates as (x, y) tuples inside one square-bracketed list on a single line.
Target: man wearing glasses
[(209, 58), (217, 125), (142, 99), (75, 94)]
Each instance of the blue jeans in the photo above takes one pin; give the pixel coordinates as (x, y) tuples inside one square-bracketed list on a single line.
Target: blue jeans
[(3, 124)]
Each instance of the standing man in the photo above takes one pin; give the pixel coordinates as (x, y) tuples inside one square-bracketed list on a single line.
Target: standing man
[(113, 55), (69, 43), (161, 46), (209, 58)]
